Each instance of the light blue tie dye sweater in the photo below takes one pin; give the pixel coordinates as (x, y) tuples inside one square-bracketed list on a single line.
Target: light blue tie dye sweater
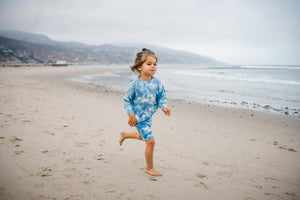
[(143, 98)]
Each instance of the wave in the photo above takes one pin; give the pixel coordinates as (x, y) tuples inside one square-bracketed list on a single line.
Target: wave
[(270, 67), (107, 74), (222, 76)]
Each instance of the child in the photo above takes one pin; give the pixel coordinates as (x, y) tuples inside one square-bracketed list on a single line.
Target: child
[(144, 96)]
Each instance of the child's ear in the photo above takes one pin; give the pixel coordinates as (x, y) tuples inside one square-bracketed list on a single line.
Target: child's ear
[(140, 68)]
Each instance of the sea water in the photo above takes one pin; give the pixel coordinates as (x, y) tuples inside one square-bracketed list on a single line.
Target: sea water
[(268, 88)]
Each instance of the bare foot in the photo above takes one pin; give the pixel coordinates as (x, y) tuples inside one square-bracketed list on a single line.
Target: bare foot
[(122, 138), (153, 172)]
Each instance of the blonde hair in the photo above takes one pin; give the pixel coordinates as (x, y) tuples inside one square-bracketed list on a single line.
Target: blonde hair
[(140, 58)]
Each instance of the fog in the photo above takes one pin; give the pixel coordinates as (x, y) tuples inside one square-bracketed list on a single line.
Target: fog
[(233, 31)]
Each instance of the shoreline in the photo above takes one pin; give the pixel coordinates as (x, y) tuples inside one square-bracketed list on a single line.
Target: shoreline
[(59, 140), (287, 111), (78, 71)]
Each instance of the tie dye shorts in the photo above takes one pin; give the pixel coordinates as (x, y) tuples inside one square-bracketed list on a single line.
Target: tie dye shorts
[(144, 129)]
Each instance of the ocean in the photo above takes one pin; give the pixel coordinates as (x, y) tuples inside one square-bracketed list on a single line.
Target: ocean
[(265, 88)]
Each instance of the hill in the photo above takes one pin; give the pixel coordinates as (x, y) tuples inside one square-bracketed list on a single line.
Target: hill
[(22, 47)]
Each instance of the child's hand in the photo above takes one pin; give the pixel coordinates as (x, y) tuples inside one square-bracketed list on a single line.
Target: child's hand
[(132, 120), (167, 111)]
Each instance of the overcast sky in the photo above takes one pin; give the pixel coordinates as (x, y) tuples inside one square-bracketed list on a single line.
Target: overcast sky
[(233, 31)]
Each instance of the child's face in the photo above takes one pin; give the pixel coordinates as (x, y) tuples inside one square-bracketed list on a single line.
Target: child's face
[(149, 66)]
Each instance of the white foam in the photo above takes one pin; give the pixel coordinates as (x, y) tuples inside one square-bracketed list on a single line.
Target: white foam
[(110, 74), (238, 77), (270, 67)]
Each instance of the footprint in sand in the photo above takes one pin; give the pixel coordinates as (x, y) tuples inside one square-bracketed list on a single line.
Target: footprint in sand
[(98, 157), (271, 179), (18, 152), (292, 150), (196, 180), (205, 163), (67, 175), (82, 144), (272, 195), (290, 194), (77, 160), (201, 175), (259, 187), (45, 171), (102, 143), (284, 147), (15, 139), (223, 173), (288, 149), (275, 187), (201, 184)]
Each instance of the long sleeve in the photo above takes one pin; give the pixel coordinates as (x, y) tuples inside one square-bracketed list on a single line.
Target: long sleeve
[(128, 99), (162, 100)]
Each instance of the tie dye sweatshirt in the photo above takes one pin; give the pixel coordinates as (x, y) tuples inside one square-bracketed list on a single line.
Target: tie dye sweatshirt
[(143, 98)]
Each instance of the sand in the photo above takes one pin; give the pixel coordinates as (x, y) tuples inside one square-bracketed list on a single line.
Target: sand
[(59, 140)]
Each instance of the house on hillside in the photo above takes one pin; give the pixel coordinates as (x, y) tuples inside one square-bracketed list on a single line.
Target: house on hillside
[(7, 52), (60, 63)]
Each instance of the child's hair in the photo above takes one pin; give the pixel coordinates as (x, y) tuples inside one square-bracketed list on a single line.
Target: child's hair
[(140, 58)]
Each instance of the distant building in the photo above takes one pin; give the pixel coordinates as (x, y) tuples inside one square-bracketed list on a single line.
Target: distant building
[(7, 52), (60, 63)]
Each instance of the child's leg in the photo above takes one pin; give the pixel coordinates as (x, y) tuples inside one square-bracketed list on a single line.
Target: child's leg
[(132, 135), (149, 158)]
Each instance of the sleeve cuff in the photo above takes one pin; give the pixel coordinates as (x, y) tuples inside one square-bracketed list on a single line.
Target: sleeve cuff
[(162, 106), (129, 111)]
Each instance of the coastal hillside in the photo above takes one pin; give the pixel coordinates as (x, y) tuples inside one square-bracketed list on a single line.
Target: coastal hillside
[(21, 47)]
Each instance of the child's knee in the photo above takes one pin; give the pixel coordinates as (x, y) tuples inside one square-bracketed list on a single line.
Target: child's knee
[(139, 137), (150, 142)]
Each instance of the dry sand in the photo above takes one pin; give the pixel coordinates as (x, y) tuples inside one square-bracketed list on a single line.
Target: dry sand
[(59, 140)]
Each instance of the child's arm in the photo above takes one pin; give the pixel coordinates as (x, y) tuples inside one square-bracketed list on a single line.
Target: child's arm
[(128, 99), (129, 96), (162, 100)]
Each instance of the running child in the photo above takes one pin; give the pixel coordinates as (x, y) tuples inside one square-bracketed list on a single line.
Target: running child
[(144, 96)]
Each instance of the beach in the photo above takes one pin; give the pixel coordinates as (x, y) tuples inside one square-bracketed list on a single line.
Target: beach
[(59, 140)]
